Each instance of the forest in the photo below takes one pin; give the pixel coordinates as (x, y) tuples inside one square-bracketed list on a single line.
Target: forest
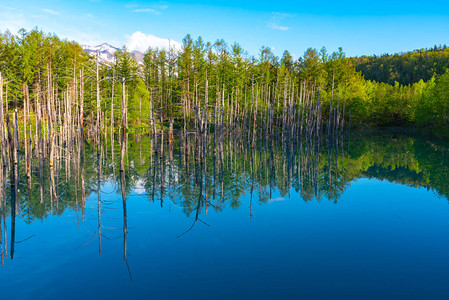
[(409, 90), (405, 68), (237, 125)]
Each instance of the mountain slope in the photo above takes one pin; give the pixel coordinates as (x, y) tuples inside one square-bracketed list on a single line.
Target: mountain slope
[(405, 68), (106, 53)]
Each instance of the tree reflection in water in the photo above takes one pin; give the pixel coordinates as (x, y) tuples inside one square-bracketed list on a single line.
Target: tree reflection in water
[(218, 176)]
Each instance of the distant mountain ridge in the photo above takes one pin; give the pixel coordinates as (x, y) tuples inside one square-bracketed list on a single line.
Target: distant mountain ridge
[(106, 53)]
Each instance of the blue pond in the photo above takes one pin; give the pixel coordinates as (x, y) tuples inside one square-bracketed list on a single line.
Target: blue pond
[(367, 218)]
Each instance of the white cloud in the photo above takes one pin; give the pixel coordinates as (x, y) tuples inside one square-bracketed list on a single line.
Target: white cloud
[(148, 10), (278, 199), (141, 42), (278, 27), (153, 9), (131, 5), (281, 15), (6, 7), (278, 17), (50, 11), (12, 22)]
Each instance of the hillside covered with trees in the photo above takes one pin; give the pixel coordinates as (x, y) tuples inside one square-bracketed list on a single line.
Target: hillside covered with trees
[(405, 68)]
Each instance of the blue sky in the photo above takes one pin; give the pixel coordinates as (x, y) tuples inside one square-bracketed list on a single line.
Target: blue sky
[(374, 27)]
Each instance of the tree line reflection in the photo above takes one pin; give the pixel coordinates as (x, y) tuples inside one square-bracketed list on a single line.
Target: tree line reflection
[(217, 177)]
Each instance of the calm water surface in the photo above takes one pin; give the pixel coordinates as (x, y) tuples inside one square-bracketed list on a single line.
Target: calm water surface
[(365, 219)]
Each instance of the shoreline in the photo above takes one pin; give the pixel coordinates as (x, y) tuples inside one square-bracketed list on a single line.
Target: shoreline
[(438, 133)]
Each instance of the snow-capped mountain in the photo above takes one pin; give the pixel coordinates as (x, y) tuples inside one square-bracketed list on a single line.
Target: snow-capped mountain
[(138, 56), (106, 53)]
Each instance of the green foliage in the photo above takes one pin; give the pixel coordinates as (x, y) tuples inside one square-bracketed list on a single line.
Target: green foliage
[(125, 66), (405, 68), (35, 58), (311, 67), (139, 105), (433, 107), (176, 81)]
